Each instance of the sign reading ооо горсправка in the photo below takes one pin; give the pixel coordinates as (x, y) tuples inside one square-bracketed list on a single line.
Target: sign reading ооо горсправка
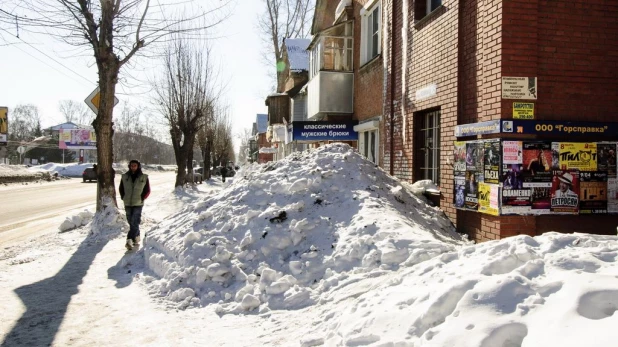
[(550, 127), (324, 131)]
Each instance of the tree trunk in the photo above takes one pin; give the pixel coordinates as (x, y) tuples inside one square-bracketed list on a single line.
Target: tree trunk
[(207, 157), (106, 190)]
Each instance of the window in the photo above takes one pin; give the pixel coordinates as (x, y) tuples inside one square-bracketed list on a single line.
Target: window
[(337, 54), (333, 50), (425, 7), (371, 25), (368, 138), (427, 125), (368, 145)]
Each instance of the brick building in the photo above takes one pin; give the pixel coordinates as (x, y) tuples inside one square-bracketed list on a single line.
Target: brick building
[(346, 69), (449, 67)]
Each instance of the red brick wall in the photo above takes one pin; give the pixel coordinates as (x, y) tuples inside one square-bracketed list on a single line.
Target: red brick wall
[(571, 46), (391, 108), (578, 60), (262, 142), (369, 78), (430, 57), (604, 225)]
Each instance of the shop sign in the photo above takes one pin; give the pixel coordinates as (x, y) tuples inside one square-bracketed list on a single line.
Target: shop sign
[(523, 110), (324, 131), (482, 128), (549, 127), (519, 88), (426, 92)]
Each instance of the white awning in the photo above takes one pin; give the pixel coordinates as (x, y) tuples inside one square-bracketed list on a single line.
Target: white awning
[(374, 124), (268, 150), (279, 131)]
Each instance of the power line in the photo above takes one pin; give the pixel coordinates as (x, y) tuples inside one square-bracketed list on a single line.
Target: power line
[(44, 62)]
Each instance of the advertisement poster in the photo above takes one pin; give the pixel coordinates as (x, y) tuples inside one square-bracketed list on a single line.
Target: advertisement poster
[(489, 199), (565, 191), (612, 195), (471, 191), (459, 151), (77, 139), (578, 155), (474, 156), (592, 192), (540, 191), (536, 158), (512, 152), (491, 155), (460, 194), (515, 198), (555, 156), (4, 126), (512, 176), (606, 158)]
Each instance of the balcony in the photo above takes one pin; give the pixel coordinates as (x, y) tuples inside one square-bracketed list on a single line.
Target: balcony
[(330, 93), (331, 85)]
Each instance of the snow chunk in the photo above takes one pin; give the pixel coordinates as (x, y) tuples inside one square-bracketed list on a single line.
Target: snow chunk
[(191, 238), (249, 302)]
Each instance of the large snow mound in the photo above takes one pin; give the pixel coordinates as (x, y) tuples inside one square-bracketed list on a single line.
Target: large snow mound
[(520, 291), (283, 234)]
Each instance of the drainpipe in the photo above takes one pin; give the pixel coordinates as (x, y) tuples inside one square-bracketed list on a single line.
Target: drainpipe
[(392, 98)]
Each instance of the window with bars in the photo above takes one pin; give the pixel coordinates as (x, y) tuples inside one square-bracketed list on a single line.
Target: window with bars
[(427, 135)]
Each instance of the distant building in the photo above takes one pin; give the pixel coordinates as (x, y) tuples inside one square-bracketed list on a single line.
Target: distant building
[(265, 150)]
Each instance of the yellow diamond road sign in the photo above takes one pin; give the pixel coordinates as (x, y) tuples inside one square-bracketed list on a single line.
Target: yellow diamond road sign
[(94, 98)]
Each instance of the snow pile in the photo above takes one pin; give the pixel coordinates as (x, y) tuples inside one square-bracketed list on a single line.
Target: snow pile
[(282, 234), (109, 223), (69, 170), (551, 290), (76, 221), (298, 56)]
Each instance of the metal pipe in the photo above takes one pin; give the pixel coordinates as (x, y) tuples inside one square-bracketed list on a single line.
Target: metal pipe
[(392, 98)]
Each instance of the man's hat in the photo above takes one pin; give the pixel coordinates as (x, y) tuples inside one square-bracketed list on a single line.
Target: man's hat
[(566, 178)]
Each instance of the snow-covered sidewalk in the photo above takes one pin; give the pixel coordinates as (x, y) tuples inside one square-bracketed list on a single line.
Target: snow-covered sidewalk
[(357, 259), (66, 290)]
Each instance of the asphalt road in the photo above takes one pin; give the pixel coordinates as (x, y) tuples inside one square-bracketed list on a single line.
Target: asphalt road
[(39, 208)]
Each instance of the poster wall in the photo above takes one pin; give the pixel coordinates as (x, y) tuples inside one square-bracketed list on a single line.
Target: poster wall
[(536, 177)]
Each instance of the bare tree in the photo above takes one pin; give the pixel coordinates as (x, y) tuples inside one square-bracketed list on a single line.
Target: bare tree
[(75, 112), (205, 138), (25, 123), (115, 31), (223, 148), (243, 151), (186, 96), (283, 19)]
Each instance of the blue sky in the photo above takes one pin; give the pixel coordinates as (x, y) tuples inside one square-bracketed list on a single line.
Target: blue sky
[(46, 72)]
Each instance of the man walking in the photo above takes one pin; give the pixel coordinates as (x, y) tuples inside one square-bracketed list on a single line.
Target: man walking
[(223, 173), (134, 189)]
